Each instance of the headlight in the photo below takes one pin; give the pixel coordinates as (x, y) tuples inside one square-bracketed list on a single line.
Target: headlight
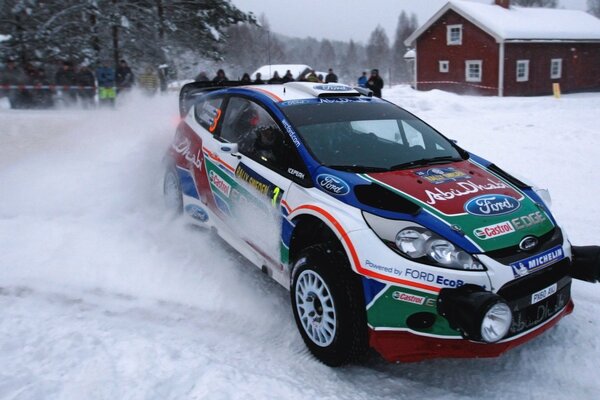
[(420, 244)]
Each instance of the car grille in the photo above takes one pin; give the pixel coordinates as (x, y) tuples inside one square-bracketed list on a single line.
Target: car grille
[(518, 295), (508, 255)]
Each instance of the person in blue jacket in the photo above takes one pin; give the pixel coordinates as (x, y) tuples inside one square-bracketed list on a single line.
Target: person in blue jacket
[(107, 91), (362, 80)]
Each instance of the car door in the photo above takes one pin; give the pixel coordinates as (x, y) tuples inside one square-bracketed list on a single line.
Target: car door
[(254, 176)]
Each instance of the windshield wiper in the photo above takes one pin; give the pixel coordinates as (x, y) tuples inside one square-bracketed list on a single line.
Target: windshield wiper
[(426, 161), (358, 168)]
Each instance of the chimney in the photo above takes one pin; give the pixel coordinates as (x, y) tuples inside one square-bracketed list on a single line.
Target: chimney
[(503, 3)]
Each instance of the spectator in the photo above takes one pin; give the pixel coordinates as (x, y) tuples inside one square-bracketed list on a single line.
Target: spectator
[(331, 77), (375, 83), (259, 78), (87, 82), (41, 96), (105, 75), (276, 78), (65, 77), (312, 77), (201, 77), (246, 78), (320, 77), (13, 75), (124, 77), (288, 77), (220, 78), (362, 80), (148, 81)]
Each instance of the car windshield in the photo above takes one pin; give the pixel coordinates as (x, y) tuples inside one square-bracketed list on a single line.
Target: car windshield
[(368, 136)]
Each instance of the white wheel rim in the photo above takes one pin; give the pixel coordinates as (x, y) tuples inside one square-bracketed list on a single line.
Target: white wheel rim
[(171, 191), (315, 307)]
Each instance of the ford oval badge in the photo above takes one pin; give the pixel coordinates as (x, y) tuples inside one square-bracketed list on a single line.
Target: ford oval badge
[(528, 243), (492, 204), (196, 212), (333, 184)]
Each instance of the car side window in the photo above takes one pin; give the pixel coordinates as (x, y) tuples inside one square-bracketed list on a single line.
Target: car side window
[(208, 113), (260, 138)]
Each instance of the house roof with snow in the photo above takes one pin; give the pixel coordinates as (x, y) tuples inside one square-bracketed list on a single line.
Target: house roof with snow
[(520, 23)]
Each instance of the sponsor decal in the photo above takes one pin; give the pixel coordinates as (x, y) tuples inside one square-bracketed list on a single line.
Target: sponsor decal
[(184, 148), (219, 183), (381, 268), (294, 172), (294, 102), (441, 175), (527, 221), (343, 100), (333, 88), (333, 184), (492, 204), (409, 298), (290, 131), (259, 183), (196, 212), (528, 243), (495, 230), (432, 278), (462, 189), (537, 262)]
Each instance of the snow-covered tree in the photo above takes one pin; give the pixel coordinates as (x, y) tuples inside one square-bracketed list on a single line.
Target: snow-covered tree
[(594, 7), (326, 56), (535, 3), (406, 26), (378, 50)]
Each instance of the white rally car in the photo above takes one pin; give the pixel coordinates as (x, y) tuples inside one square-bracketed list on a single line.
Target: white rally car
[(387, 234)]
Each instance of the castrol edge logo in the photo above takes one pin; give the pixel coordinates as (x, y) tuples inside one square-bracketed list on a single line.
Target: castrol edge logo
[(219, 183), (495, 230), (408, 298)]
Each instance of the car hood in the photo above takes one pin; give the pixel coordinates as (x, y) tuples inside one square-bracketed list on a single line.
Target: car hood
[(490, 211)]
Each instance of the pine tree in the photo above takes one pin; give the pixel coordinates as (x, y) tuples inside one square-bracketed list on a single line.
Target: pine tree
[(326, 56), (594, 7), (406, 26), (378, 50)]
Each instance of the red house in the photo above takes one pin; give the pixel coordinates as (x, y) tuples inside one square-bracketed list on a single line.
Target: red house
[(503, 50)]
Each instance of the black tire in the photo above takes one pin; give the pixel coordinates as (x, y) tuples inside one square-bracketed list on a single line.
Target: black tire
[(172, 192), (345, 339)]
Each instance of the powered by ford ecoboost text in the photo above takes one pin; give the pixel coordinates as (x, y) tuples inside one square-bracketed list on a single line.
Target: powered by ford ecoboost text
[(387, 234)]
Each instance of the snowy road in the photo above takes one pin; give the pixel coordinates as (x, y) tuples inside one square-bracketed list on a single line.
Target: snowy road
[(102, 297)]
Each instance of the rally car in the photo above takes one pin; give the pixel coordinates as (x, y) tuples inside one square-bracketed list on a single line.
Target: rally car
[(387, 234)]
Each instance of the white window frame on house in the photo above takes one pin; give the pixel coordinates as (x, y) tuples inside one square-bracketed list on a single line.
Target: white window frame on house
[(473, 78), (522, 77), (444, 66), (556, 73), (449, 39)]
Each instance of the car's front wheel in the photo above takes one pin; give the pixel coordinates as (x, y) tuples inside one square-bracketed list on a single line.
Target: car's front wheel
[(328, 305), (172, 192)]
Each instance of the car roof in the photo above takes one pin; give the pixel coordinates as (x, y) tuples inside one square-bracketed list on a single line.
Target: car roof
[(304, 90)]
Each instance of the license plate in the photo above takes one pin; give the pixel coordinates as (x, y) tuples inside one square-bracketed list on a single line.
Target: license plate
[(542, 294)]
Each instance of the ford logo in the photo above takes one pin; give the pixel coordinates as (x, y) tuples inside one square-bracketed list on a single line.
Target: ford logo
[(333, 184), (528, 243), (196, 212), (333, 88), (492, 204)]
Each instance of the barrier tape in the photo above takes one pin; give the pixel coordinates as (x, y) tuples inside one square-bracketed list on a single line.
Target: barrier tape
[(452, 83)]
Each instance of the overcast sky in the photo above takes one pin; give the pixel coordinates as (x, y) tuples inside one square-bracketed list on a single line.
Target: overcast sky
[(348, 19)]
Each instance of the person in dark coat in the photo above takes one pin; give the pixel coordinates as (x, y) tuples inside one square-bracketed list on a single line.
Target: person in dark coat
[(259, 78), (246, 78), (331, 77), (87, 82), (124, 77), (220, 78), (375, 83), (276, 78), (65, 77), (201, 77), (288, 77), (12, 75)]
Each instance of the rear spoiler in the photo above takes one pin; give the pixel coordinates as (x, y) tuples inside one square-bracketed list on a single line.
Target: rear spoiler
[(191, 90)]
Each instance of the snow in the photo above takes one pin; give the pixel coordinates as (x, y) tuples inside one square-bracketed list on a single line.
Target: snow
[(521, 23), (104, 297), (266, 71), (532, 23)]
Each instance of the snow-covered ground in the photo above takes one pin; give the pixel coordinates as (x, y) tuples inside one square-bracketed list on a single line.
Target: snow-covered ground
[(102, 297)]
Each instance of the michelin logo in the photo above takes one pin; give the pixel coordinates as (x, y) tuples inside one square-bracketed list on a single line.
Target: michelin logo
[(539, 261)]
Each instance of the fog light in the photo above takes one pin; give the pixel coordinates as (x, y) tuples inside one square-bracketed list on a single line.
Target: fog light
[(496, 323)]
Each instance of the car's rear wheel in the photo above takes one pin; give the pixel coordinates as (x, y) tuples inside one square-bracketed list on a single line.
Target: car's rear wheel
[(328, 305), (172, 192)]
